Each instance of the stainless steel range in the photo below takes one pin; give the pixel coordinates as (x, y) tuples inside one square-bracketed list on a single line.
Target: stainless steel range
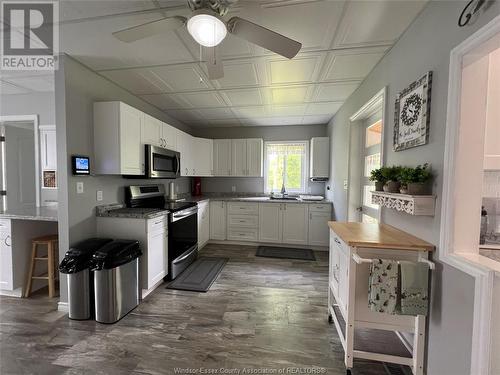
[(182, 224)]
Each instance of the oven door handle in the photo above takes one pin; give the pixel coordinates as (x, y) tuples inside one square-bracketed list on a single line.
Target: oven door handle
[(186, 254), (184, 214)]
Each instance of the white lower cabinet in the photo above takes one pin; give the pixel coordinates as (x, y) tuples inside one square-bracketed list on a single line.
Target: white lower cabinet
[(6, 269), (203, 224), (242, 221), (271, 222), (152, 235), (319, 215), (295, 223), (217, 220)]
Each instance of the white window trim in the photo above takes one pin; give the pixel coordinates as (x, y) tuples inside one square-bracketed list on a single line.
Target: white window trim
[(306, 166), (482, 272)]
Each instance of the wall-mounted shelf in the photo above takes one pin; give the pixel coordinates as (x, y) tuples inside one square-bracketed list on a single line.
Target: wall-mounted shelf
[(423, 205)]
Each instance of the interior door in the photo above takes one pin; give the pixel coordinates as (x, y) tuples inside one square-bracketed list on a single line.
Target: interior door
[(19, 162), (371, 146)]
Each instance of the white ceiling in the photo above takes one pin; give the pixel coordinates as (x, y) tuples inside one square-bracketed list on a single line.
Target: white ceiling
[(342, 42)]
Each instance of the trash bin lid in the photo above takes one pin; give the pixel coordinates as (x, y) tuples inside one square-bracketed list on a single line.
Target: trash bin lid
[(115, 254), (79, 256)]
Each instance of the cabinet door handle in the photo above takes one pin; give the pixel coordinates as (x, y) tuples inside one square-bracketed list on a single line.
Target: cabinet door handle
[(7, 243), (337, 241)]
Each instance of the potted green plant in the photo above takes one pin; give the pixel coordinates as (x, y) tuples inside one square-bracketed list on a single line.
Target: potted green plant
[(391, 175), (416, 181), (377, 176)]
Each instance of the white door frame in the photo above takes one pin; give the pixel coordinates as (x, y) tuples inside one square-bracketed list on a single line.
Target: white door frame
[(379, 100), (33, 119), (483, 277)]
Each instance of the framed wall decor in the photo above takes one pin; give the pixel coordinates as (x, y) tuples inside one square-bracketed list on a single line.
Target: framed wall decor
[(49, 180), (412, 114)]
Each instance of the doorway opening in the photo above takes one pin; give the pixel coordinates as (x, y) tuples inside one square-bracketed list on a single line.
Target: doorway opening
[(365, 155), (19, 164)]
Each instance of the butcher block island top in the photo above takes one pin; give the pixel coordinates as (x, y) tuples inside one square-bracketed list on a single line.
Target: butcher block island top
[(378, 236)]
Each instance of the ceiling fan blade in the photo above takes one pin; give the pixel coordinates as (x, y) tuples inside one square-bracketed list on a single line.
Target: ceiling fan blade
[(263, 37), (134, 33), (214, 62)]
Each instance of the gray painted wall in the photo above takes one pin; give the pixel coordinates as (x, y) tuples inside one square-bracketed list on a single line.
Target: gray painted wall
[(426, 45), (77, 88), (268, 133)]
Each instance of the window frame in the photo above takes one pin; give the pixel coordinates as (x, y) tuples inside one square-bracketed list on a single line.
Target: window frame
[(305, 167)]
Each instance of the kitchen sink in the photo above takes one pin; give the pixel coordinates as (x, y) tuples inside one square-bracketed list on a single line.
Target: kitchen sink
[(284, 198)]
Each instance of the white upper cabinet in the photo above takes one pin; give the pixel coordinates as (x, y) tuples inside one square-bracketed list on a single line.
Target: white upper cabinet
[(222, 157), (169, 136), (203, 157), (151, 131), (185, 143), (48, 147), (320, 158), (238, 157), (492, 136), (117, 139), (295, 223), (255, 159)]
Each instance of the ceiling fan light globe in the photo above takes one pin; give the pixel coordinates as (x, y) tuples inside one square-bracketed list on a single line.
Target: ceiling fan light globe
[(206, 29)]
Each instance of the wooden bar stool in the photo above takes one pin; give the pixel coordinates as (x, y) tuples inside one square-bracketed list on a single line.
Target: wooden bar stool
[(51, 242)]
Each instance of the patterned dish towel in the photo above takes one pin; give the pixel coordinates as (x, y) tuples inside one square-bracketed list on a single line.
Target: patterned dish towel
[(414, 281), (383, 286)]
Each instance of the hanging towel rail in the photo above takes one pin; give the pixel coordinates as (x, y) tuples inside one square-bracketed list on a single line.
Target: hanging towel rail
[(360, 260)]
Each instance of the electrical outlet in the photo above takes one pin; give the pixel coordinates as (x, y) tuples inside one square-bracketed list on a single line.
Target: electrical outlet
[(345, 184), (99, 195), (79, 187), (233, 188)]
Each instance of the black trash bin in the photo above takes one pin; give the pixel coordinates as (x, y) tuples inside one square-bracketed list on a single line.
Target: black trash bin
[(75, 264), (116, 280)]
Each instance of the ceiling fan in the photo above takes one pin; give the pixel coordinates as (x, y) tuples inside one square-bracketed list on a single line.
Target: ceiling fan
[(207, 27)]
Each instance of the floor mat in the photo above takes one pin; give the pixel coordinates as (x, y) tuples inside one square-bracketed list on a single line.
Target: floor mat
[(200, 275), (285, 252)]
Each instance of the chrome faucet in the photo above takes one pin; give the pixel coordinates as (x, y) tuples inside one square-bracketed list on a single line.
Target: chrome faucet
[(283, 190)]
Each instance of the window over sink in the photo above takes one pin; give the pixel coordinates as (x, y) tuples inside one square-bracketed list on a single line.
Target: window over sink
[(285, 162)]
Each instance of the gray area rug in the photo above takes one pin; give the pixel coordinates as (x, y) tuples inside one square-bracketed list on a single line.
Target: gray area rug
[(285, 253), (200, 275)]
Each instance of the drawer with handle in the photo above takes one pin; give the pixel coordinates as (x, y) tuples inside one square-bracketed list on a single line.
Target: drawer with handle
[(5, 225), (156, 224), (242, 208), (250, 221), (242, 234), (316, 207), (341, 245)]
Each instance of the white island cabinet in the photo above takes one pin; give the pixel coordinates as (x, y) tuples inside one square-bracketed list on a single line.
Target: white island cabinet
[(152, 235), (353, 247)]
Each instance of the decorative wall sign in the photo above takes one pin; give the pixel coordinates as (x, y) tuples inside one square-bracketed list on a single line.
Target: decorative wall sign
[(412, 114), (49, 179)]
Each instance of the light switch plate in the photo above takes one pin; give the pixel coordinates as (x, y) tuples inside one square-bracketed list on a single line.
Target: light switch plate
[(233, 188), (99, 195), (79, 187), (345, 184)]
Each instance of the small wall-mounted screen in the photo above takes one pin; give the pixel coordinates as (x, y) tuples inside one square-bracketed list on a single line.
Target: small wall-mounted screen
[(81, 165)]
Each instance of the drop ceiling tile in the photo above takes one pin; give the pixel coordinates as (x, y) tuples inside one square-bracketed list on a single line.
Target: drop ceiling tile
[(299, 70), (287, 110), (92, 43), (231, 46), (8, 89), (182, 77), (203, 99), (327, 108), (316, 119), (225, 123), (352, 65), (272, 121), (238, 74), (313, 23), (327, 92), (250, 112), (216, 113), (185, 115), (376, 22), (138, 81), (166, 101), (245, 97), (289, 95), (75, 9)]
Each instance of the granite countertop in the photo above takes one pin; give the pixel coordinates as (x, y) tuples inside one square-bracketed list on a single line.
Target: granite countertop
[(248, 198), (46, 213), (120, 211)]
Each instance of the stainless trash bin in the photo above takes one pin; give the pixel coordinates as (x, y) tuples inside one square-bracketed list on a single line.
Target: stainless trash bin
[(116, 280), (76, 264)]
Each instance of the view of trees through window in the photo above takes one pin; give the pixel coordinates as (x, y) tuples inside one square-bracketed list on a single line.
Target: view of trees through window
[(285, 161)]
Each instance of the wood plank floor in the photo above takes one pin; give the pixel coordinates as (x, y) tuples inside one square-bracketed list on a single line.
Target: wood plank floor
[(261, 313)]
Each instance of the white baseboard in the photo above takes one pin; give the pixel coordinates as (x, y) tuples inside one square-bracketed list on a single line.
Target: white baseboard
[(12, 293), (62, 306), (248, 243)]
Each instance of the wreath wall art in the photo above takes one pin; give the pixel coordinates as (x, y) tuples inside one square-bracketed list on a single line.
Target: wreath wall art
[(412, 114)]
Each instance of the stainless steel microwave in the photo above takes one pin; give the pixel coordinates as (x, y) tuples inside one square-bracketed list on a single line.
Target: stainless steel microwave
[(162, 163)]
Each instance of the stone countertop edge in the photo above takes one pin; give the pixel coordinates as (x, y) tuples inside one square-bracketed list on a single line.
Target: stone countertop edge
[(34, 214), (107, 211), (250, 199)]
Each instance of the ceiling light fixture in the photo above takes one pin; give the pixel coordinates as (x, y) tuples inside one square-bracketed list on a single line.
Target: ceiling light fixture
[(207, 29)]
